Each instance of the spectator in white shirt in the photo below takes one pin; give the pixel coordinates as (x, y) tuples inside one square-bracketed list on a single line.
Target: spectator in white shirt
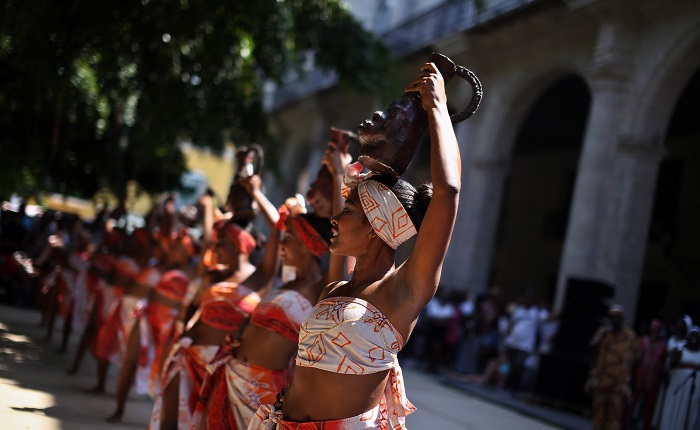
[(521, 337), (439, 313)]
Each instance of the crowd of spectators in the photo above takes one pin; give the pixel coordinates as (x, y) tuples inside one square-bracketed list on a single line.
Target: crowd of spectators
[(486, 340)]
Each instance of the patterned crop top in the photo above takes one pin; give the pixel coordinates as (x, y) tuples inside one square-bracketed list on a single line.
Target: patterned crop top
[(225, 306), (348, 335), (282, 311)]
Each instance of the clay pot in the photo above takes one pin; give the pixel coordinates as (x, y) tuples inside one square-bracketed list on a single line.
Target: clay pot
[(249, 161), (389, 139), (320, 194)]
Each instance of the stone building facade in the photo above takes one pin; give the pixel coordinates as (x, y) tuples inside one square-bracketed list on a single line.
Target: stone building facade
[(583, 161)]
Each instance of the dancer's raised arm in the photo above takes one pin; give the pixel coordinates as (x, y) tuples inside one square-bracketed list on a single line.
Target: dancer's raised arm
[(261, 279), (336, 162), (421, 273)]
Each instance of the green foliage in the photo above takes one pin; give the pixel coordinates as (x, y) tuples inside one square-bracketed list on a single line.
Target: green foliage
[(94, 94)]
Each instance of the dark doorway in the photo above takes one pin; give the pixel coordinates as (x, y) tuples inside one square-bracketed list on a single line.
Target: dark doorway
[(538, 190), (672, 263)]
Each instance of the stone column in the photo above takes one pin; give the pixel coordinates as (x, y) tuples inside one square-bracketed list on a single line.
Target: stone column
[(636, 169), (584, 255), (469, 260)]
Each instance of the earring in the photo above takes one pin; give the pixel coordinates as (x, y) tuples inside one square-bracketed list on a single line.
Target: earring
[(372, 233)]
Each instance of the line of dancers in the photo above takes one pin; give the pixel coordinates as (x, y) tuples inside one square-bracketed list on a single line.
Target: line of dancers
[(301, 332)]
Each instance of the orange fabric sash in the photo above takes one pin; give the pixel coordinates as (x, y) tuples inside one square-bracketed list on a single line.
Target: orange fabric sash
[(234, 390)]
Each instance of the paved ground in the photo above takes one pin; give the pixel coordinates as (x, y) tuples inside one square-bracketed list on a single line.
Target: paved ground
[(36, 393)]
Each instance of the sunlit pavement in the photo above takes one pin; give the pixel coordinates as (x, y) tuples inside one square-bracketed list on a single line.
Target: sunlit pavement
[(444, 408), (36, 392)]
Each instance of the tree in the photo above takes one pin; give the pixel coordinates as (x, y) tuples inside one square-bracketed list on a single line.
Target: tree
[(94, 94)]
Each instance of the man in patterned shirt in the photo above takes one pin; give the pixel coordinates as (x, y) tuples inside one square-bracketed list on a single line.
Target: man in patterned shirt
[(615, 346)]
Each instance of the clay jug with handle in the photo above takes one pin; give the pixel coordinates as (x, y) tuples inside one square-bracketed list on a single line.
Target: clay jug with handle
[(249, 162), (389, 139), (320, 192)]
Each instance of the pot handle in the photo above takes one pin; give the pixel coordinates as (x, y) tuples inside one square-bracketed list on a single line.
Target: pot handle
[(259, 157), (477, 94)]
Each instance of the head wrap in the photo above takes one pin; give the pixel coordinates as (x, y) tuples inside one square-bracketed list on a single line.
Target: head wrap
[(226, 307), (173, 285), (352, 178), (127, 267), (292, 206), (688, 321), (385, 213), (383, 209), (243, 240), (311, 239)]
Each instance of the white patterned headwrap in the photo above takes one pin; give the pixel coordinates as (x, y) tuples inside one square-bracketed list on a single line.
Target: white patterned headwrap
[(385, 213), (383, 209)]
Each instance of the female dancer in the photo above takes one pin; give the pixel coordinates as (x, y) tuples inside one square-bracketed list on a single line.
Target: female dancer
[(223, 308), (347, 374), (137, 356), (258, 365)]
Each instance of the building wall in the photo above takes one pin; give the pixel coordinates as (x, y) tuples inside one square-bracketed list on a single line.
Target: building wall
[(634, 56), (218, 169)]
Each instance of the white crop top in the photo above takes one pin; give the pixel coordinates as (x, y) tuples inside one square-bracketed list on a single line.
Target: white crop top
[(348, 335)]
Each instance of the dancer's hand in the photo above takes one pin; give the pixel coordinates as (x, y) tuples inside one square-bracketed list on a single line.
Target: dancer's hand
[(251, 184), (431, 86), (206, 200), (334, 160)]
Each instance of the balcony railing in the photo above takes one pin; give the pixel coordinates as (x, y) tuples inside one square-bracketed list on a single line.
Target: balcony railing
[(410, 36)]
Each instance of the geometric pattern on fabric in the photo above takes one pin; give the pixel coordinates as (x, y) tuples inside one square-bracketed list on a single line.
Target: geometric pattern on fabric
[(350, 367), (189, 363), (389, 414), (385, 213), (610, 373), (233, 391), (348, 335)]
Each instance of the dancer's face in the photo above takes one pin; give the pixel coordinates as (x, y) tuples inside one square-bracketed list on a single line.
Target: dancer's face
[(350, 228), (292, 249), (227, 252)]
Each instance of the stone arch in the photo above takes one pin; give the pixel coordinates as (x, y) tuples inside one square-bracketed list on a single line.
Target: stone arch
[(641, 149), (671, 271), (492, 133), (543, 151), (666, 83), (520, 95)]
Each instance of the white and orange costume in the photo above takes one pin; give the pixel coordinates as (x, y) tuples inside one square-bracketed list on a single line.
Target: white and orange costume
[(349, 335), (225, 306), (162, 319), (236, 389), (110, 343)]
